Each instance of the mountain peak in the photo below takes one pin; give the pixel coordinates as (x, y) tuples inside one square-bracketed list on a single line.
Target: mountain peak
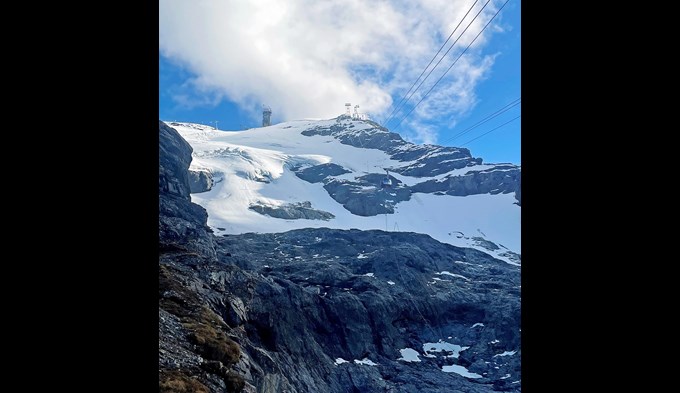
[(332, 173)]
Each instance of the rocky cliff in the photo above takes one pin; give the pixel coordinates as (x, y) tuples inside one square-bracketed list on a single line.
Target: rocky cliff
[(324, 310)]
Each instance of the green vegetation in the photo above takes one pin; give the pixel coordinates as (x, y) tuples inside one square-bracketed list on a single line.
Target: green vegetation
[(207, 331), (214, 343)]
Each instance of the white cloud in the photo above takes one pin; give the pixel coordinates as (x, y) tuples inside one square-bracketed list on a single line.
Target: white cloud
[(419, 132), (306, 58)]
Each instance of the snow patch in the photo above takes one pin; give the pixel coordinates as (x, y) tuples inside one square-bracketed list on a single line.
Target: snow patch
[(460, 370), (365, 361), (453, 275), (477, 324), (444, 346), (506, 353), (340, 361), (391, 282), (409, 355)]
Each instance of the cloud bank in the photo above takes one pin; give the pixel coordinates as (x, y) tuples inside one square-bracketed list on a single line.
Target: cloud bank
[(306, 58)]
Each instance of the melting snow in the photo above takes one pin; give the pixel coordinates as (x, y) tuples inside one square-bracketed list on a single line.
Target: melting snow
[(453, 275), (506, 376), (460, 370), (409, 355), (369, 274), (365, 361), (444, 346)]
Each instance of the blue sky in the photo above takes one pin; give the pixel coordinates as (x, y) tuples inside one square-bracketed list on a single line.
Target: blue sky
[(221, 60)]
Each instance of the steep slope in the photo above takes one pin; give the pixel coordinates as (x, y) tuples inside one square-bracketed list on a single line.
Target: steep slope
[(328, 173), (326, 310)]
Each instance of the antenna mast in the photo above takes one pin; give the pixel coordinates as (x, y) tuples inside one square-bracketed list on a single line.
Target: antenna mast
[(266, 116)]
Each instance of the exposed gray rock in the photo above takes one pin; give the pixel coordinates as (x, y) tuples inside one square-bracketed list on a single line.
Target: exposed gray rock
[(317, 173), (498, 180), (200, 181), (351, 314), (182, 224), (292, 211), (174, 160), (365, 197)]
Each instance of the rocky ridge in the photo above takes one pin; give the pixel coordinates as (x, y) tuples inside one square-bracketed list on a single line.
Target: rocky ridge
[(426, 161)]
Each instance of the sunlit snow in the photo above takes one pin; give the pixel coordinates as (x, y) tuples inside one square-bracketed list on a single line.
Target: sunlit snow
[(409, 355), (254, 166), (460, 370)]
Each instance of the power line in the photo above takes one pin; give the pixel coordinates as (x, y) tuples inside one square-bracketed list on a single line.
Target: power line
[(491, 130), (433, 57), (455, 61), (500, 111), (448, 50)]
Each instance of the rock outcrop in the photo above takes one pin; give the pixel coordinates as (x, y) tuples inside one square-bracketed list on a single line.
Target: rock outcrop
[(200, 181), (182, 224), (292, 211), (502, 179)]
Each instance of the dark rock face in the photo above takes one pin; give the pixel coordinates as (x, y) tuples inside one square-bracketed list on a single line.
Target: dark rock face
[(200, 181), (297, 301), (292, 211), (317, 173), (272, 313), (365, 197), (174, 160), (501, 179), (182, 224)]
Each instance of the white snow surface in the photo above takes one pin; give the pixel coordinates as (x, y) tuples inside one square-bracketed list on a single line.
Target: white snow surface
[(453, 275), (444, 346), (506, 353), (478, 324), (340, 361), (365, 361), (242, 160), (460, 370), (409, 355)]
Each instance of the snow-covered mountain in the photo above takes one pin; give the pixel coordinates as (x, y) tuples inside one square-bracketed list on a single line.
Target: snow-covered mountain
[(329, 173), (321, 309)]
